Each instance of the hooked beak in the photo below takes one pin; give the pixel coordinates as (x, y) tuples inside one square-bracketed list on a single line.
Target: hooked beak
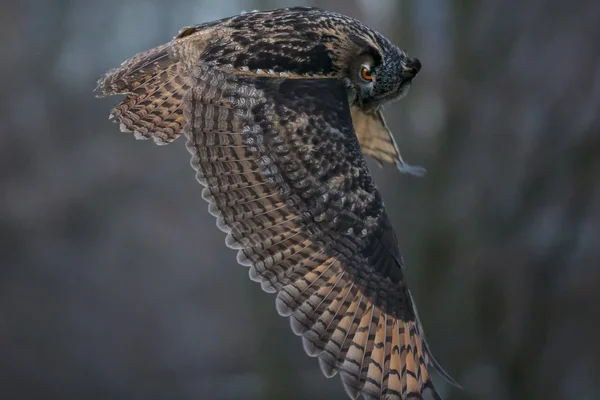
[(411, 68)]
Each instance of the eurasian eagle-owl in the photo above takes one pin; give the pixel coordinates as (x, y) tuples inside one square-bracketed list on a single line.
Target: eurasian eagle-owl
[(278, 108)]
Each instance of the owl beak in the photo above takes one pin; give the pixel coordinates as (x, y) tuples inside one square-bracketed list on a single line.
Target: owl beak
[(411, 68)]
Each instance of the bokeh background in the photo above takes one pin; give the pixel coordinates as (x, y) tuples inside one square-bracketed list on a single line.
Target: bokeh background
[(115, 283)]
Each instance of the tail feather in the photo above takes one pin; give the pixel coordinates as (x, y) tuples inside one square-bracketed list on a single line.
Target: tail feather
[(155, 86)]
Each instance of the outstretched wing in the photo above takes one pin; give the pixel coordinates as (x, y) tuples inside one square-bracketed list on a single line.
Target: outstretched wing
[(284, 175)]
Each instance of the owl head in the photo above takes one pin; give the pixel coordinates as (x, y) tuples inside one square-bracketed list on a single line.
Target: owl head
[(379, 74)]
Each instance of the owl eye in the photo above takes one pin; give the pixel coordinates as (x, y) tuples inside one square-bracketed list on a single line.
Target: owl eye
[(366, 72)]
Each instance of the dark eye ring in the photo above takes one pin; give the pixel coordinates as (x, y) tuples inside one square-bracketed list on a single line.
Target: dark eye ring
[(366, 73)]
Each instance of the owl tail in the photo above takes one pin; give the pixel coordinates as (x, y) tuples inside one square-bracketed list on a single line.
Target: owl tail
[(154, 86)]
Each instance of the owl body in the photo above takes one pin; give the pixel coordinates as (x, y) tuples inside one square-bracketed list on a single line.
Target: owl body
[(278, 108)]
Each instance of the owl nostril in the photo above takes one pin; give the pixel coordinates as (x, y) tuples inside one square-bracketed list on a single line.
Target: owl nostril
[(411, 67)]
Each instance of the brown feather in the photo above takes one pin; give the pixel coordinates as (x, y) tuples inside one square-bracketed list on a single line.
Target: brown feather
[(377, 141), (154, 86)]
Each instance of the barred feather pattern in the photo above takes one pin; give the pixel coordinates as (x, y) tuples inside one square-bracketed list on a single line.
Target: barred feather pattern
[(283, 173), (249, 179), (377, 141), (154, 86)]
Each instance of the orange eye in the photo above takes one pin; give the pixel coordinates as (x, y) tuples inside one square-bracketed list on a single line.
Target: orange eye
[(366, 73)]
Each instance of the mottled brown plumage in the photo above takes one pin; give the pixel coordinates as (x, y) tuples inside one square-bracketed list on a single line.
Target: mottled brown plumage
[(278, 108)]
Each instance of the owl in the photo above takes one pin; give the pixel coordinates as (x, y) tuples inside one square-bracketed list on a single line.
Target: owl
[(278, 109)]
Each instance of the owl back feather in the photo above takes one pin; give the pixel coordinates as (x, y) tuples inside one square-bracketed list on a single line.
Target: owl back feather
[(155, 86)]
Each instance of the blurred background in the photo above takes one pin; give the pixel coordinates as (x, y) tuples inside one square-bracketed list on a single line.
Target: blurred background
[(113, 275)]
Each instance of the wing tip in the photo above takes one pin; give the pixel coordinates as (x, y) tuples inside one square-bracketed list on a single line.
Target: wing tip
[(436, 365), (103, 87), (413, 170), (152, 83), (432, 361), (117, 80)]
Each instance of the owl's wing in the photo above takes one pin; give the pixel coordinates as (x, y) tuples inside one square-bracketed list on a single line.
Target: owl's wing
[(284, 175), (153, 109), (377, 141)]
